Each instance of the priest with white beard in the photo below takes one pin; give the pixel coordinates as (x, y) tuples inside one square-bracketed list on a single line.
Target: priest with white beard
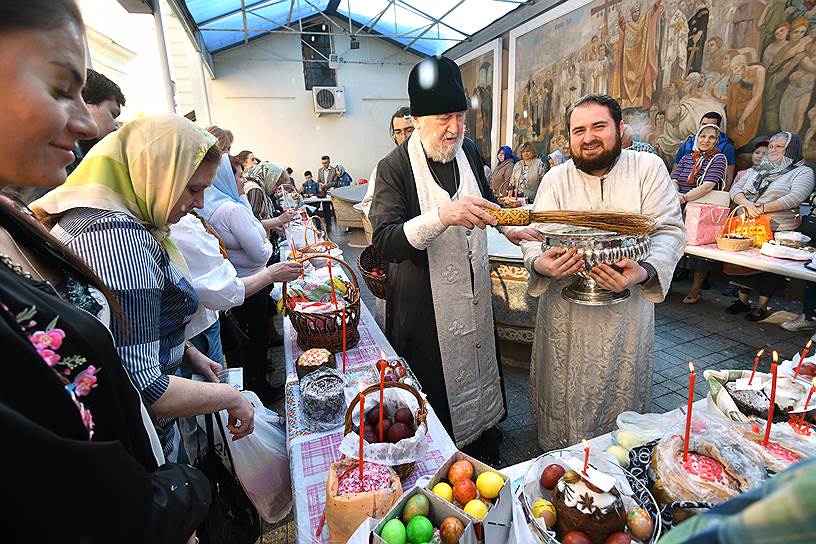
[(428, 216), (592, 362)]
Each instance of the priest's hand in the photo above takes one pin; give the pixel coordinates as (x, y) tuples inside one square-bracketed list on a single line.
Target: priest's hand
[(619, 276), (558, 263), (523, 234), (468, 212)]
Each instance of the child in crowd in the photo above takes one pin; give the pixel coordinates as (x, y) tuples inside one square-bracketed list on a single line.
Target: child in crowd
[(310, 186)]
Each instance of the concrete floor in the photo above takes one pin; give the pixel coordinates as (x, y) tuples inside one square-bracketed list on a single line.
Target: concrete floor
[(700, 332)]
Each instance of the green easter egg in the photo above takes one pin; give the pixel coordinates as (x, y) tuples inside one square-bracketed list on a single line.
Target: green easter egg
[(420, 530), (394, 532)]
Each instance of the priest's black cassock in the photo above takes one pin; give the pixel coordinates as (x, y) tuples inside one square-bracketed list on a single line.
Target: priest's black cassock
[(410, 319)]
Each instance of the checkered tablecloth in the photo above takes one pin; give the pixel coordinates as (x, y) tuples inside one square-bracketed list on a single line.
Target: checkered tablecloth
[(311, 453)]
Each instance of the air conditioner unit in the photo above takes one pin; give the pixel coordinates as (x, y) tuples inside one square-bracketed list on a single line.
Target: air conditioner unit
[(329, 99)]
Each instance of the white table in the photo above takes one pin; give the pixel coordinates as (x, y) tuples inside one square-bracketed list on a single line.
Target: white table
[(752, 258), (311, 453)]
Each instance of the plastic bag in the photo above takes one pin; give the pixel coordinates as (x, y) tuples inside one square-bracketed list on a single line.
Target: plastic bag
[(262, 463), (723, 465)]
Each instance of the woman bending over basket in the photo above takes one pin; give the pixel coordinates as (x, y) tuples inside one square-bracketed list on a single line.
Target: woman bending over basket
[(115, 211)]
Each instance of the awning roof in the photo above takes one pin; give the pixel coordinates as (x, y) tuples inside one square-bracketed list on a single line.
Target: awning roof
[(426, 27)]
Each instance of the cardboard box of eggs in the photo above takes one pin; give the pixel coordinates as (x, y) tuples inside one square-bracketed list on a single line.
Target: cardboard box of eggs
[(478, 491), (421, 517)]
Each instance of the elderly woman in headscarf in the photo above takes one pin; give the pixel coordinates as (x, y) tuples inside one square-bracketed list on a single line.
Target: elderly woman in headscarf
[(777, 188), (501, 176), (249, 250), (555, 158), (115, 211), (696, 174), (341, 177), (527, 173), (261, 183)]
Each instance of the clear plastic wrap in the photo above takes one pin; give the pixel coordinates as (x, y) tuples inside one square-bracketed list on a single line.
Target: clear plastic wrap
[(784, 448), (720, 465)]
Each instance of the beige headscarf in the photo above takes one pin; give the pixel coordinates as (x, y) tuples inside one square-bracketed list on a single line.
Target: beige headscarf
[(140, 169), (265, 174)]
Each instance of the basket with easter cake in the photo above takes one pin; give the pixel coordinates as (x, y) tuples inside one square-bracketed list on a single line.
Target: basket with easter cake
[(579, 497)]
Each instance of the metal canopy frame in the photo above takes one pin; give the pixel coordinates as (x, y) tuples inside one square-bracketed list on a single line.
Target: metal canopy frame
[(253, 22)]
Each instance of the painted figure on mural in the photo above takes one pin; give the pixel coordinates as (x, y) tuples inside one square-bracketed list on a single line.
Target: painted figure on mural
[(697, 32), (744, 105), (675, 52), (773, 16), (797, 96), (779, 43), (637, 56), (783, 64)]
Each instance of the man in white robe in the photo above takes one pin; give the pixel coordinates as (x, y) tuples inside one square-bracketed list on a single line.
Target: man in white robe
[(592, 362)]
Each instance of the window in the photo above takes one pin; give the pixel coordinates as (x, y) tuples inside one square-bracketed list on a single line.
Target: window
[(316, 49)]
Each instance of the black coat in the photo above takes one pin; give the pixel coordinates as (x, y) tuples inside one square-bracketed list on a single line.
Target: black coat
[(59, 485), (410, 322)]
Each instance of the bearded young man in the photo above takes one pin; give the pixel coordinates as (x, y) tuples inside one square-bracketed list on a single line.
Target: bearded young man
[(429, 215), (592, 362)]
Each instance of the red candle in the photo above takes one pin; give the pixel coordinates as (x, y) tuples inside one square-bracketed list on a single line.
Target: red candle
[(692, 377), (802, 360), (807, 401), (382, 364), (362, 423), (756, 362), (343, 317), (331, 281), (586, 456), (773, 400)]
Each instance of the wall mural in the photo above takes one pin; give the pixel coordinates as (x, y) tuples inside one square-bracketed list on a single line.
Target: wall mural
[(478, 71), (668, 62)]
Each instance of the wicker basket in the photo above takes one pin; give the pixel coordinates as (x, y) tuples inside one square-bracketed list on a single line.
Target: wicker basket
[(369, 260), (318, 246), (325, 330), (404, 470), (732, 244)]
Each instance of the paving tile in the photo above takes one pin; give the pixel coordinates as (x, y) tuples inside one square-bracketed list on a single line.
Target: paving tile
[(692, 350)]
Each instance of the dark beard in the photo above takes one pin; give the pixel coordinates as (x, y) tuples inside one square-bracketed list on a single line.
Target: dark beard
[(604, 161)]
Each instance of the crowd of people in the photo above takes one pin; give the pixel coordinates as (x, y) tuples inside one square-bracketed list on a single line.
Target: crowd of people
[(133, 257)]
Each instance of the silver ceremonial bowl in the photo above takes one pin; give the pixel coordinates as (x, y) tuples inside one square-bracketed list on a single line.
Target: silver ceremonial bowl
[(597, 246)]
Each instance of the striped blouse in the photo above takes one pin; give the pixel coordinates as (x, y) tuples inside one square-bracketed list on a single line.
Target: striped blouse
[(713, 168), (156, 299)]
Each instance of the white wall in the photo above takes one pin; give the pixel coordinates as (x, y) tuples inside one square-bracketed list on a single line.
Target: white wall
[(259, 93), (133, 45)]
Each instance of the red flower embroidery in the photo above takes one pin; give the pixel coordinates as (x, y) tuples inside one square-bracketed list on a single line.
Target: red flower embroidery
[(51, 339)]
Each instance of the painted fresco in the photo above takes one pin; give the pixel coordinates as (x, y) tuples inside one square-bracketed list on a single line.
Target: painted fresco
[(477, 76), (668, 62)]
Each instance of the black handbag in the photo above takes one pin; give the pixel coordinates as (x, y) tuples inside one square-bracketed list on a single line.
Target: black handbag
[(808, 226), (233, 336), (232, 519)]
